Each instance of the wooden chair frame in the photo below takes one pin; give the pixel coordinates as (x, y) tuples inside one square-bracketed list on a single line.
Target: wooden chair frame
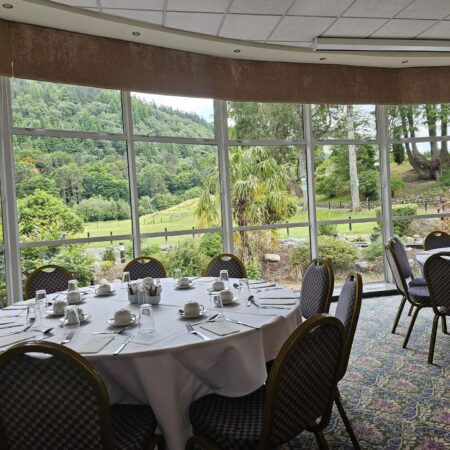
[(145, 260), (35, 273), (231, 256)]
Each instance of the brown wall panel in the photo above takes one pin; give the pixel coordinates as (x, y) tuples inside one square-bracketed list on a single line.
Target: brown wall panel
[(5, 49)]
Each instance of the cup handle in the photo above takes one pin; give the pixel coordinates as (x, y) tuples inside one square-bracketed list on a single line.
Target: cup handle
[(202, 309), (133, 316)]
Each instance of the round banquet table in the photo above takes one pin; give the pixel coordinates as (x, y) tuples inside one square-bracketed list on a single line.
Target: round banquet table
[(170, 368), (422, 257)]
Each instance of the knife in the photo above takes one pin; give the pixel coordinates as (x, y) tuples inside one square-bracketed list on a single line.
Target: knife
[(69, 337), (125, 342), (277, 298), (241, 323)]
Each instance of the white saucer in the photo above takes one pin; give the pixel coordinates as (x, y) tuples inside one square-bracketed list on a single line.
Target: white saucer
[(189, 286), (50, 313), (213, 291), (104, 294), (85, 317), (82, 300), (182, 316), (113, 322), (235, 300)]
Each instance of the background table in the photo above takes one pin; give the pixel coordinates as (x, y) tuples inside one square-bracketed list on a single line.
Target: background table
[(170, 368), (422, 257)]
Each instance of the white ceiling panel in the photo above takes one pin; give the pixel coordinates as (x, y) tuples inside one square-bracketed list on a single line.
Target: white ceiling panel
[(402, 28), (377, 8), (260, 6), (198, 5), (80, 3), (427, 9), (248, 27), (440, 31), (301, 28), (144, 16), (329, 8), (306, 44), (349, 27), (133, 4), (197, 22)]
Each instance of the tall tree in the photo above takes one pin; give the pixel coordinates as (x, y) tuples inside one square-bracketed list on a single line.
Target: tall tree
[(352, 161)]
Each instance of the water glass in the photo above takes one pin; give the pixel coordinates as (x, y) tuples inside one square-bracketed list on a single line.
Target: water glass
[(125, 279), (71, 319), (146, 319), (244, 289), (176, 274), (34, 316), (225, 278), (41, 297), (216, 303)]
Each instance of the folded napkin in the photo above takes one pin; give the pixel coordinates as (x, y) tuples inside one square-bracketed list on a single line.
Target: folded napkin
[(278, 301), (94, 344), (19, 337), (220, 328)]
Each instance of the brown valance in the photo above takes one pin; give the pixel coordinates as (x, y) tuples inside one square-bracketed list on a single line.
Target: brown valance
[(28, 51)]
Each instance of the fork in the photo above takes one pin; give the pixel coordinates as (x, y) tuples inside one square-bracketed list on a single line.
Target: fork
[(191, 330), (113, 331)]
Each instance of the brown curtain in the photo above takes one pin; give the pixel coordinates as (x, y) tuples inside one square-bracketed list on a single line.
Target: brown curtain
[(28, 51)]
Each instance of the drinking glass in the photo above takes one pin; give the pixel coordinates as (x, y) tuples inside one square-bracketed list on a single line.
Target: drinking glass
[(125, 279), (216, 303), (146, 319), (244, 289), (176, 274), (225, 278), (41, 297), (34, 316), (71, 312)]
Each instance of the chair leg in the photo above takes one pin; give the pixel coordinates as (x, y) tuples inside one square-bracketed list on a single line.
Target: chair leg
[(411, 326), (321, 441), (411, 309), (444, 325), (399, 313), (348, 425), (433, 339)]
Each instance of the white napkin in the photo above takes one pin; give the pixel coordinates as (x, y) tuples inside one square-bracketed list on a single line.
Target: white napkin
[(94, 344), (6, 320), (23, 303), (220, 328), (278, 301), (19, 337)]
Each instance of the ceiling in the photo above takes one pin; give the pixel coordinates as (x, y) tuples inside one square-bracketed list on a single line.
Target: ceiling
[(281, 30)]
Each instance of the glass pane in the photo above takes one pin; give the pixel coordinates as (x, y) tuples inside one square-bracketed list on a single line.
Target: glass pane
[(163, 115), (420, 182), (264, 121), (38, 104), (347, 181), (413, 231), (178, 186), (70, 188), (3, 296), (190, 253), (344, 121)]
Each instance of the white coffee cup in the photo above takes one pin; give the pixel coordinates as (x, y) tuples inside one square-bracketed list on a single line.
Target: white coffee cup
[(218, 285), (104, 288), (123, 317), (226, 296), (184, 281), (58, 307), (148, 281), (73, 297), (71, 318), (193, 309)]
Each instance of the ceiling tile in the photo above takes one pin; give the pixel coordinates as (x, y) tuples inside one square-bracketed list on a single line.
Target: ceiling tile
[(260, 6), (198, 5), (243, 26), (402, 28), (301, 28), (197, 22), (133, 4), (136, 14), (354, 27), (378, 8), (440, 31), (329, 8), (427, 9), (80, 3)]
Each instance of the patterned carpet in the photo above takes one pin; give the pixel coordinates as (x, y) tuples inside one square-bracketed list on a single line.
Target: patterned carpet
[(394, 399)]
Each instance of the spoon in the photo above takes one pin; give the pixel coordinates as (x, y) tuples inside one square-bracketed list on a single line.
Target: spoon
[(250, 300)]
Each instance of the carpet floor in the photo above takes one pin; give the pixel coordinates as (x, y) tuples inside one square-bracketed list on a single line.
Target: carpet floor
[(393, 397)]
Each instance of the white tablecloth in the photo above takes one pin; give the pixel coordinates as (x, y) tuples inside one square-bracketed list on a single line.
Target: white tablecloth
[(171, 368), (422, 257)]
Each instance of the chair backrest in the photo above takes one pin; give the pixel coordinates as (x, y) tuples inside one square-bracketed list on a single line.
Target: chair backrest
[(317, 288), (51, 277), (399, 279), (399, 251), (51, 397), (226, 261), (437, 274), (145, 266), (348, 309), (436, 239), (302, 382)]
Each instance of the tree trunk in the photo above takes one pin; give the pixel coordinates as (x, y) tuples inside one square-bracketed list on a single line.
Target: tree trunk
[(444, 156), (301, 172), (352, 162)]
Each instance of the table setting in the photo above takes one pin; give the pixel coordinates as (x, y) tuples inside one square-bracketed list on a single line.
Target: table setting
[(165, 342)]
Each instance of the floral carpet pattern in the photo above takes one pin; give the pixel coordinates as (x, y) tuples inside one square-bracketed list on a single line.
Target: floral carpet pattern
[(393, 398)]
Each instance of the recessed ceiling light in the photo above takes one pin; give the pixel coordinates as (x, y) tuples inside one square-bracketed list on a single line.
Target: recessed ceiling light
[(136, 33), (236, 50), (322, 59), (404, 62), (7, 6)]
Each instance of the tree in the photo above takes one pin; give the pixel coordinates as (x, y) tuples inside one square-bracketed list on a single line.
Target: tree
[(30, 185), (352, 161)]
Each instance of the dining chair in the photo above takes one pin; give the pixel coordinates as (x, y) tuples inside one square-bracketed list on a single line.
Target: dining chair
[(347, 311), (298, 396), (418, 297), (436, 239), (145, 266), (394, 249), (51, 277), (437, 274), (226, 261), (52, 397), (317, 288)]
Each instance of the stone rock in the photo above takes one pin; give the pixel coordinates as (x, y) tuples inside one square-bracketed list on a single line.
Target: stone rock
[(293, 242), (362, 266), (168, 247), (271, 257)]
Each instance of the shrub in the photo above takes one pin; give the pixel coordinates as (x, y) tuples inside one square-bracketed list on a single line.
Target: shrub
[(211, 244), (396, 185), (444, 180), (374, 251), (369, 185), (187, 256), (253, 271), (164, 201), (400, 226), (109, 255), (328, 229), (341, 254)]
